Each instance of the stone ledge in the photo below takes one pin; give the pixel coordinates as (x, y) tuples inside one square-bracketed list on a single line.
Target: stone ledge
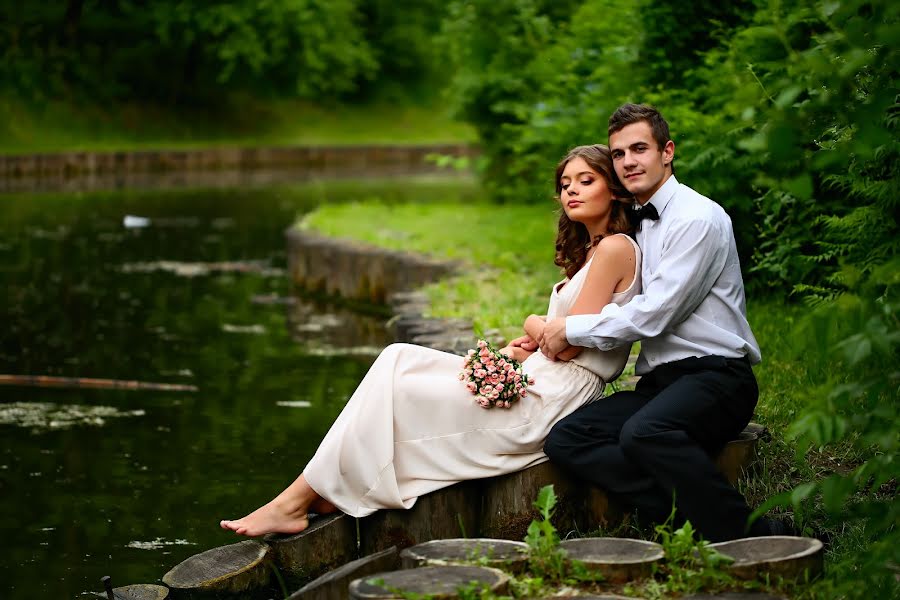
[(68, 164), (355, 271)]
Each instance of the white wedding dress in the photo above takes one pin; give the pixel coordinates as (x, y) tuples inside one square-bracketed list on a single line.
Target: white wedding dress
[(412, 427)]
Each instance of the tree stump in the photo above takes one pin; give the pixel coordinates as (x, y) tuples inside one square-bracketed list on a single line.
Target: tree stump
[(435, 582), (140, 591), (737, 456), (507, 502), (335, 584), (233, 569), (328, 542), (781, 555), (446, 513), (502, 554), (617, 559)]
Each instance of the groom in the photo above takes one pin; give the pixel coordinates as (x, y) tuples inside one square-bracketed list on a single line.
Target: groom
[(697, 390)]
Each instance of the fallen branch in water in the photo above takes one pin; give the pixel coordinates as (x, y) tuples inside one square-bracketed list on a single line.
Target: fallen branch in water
[(83, 382)]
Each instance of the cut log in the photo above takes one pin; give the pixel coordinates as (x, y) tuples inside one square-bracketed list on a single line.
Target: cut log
[(502, 554), (52, 381), (335, 584), (435, 582), (140, 591), (233, 569), (738, 456), (617, 559), (507, 502), (328, 542), (446, 513), (777, 555)]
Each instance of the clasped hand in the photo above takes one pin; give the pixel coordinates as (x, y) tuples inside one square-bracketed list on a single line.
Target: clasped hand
[(553, 342)]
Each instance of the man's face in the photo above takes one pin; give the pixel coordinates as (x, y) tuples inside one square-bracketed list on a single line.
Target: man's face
[(640, 164)]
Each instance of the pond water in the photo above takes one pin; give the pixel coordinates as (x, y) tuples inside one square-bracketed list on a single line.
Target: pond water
[(126, 483)]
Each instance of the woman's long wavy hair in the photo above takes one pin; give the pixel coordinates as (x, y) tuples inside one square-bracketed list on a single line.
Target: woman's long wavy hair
[(572, 238)]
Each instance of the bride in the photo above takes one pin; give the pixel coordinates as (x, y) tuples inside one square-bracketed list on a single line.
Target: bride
[(411, 427)]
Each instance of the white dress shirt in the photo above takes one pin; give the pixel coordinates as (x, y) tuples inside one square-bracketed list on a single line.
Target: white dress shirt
[(693, 301)]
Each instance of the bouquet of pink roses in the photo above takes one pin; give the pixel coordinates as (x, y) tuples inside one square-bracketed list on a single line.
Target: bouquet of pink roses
[(494, 378)]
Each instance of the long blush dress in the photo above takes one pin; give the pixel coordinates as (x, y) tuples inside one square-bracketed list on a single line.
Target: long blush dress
[(412, 427)]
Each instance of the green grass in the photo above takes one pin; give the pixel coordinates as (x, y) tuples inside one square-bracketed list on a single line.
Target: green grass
[(507, 251), (241, 121)]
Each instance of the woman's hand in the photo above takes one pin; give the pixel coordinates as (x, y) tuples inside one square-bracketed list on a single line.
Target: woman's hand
[(534, 327), (519, 352), (526, 342)]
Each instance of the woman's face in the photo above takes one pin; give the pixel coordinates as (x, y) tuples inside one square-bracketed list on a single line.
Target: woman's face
[(585, 195)]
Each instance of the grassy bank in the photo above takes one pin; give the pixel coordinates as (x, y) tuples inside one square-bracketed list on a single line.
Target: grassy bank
[(509, 250), (54, 126)]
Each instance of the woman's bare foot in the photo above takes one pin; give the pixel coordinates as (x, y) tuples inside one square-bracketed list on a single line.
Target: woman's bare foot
[(287, 513), (269, 518)]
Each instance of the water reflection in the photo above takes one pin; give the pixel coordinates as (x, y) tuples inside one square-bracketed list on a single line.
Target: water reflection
[(128, 483)]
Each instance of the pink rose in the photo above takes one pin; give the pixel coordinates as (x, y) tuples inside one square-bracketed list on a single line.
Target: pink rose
[(470, 385)]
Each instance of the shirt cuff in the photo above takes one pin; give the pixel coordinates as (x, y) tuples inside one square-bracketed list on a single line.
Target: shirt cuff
[(578, 329)]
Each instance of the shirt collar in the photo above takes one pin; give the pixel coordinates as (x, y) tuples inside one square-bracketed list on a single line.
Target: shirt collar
[(665, 193)]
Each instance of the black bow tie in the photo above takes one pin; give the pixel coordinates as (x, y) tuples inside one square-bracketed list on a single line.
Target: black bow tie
[(636, 215)]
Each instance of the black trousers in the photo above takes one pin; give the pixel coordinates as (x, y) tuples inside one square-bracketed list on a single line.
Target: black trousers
[(658, 442)]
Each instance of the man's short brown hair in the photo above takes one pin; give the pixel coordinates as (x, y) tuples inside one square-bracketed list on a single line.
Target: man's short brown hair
[(635, 113)]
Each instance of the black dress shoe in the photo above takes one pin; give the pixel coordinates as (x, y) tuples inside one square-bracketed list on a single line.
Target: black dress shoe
[(781, 527)]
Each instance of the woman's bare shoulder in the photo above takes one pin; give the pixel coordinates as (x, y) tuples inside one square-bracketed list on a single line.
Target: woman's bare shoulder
[(616, 248)]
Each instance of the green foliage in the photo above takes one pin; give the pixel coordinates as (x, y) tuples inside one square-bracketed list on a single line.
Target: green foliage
[(311, 49), (289, 46), (679, 33), (691, 565), (853, 343), (493, 50), (547, 561), (545, 558), (824, 124)]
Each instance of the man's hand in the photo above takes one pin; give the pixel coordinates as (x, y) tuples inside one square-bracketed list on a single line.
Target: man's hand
[(553, 341), (525, 343)]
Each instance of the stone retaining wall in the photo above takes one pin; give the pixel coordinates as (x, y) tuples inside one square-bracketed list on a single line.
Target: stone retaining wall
[(350, 157), (79, 171), (364, 273)]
